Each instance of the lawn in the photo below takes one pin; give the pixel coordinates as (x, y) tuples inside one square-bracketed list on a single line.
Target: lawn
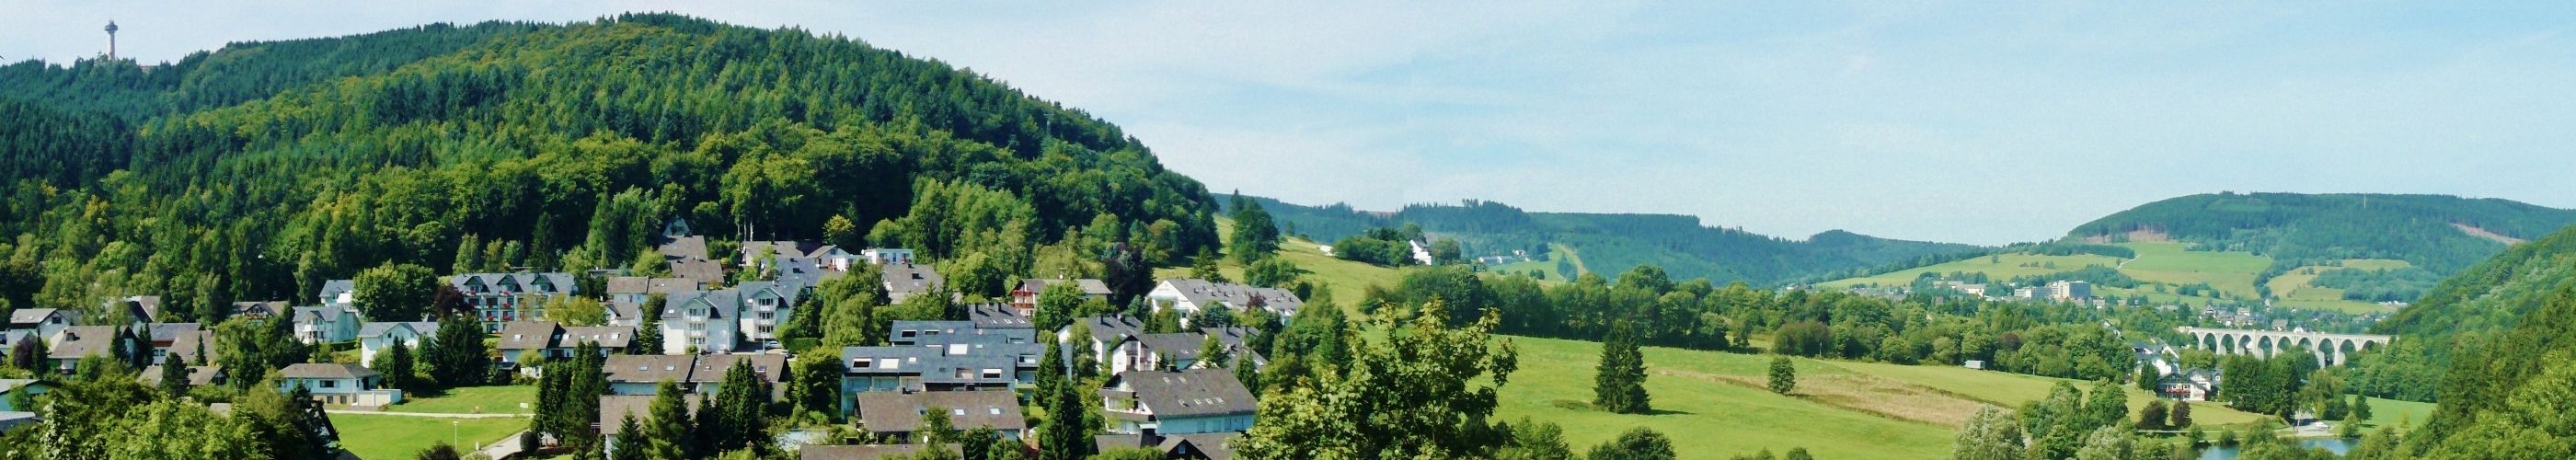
[(395, 436), (2294, 289), (2011, 390), (2390, 412), (1706, 415), (1346, 279), (1999, 267), (471, 400), (2173, 263)]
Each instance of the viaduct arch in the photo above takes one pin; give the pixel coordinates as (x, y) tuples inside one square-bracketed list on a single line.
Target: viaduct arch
[(2330, 348)]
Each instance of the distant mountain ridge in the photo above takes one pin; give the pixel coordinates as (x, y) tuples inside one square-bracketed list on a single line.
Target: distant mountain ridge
[(1613, 243), (2441, 233)]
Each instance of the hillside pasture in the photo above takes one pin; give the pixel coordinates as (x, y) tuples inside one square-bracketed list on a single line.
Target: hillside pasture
[(1999, 267), (2174, 263)]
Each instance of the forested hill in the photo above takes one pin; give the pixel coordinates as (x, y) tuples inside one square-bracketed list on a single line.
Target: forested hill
[(2440, 233), (2468, 313), (2496, 341), (1612, 243), (258, 170)]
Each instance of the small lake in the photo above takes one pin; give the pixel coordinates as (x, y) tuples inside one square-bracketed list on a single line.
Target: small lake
[(2337, 445)]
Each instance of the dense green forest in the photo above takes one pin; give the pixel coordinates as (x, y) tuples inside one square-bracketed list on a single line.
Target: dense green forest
[(2507, 329), (1613, 243), (2298, 230), (258, 170), (2465, 313)]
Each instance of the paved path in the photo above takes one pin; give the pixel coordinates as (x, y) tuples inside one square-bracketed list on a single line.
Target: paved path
[(425, 414), (504, 448)]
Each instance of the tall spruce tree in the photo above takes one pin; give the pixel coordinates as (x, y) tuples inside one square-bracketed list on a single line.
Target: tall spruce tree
[(396, 365), (174, 377), (672, 434), (1619, 383)]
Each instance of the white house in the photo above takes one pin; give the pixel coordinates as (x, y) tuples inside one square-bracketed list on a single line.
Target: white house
[(341, 384), (1190, 295), (641, 375), (703, 321), (338, 292), (326, 324), (45, 322), (1180, 402), (883, 256), (766, 305), (376, 337)]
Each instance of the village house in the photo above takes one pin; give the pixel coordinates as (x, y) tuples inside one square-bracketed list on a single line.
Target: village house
[(160, 337), (886, 256), (643, 374), (766, 305), (326, 324), (374, 338), (1024, 298), (759, 255), (1212, 446), (337, 292), (942, 356), (1178, 350), (702, 322), (708, 378), (44, 322), (11, 388), (872, 451), (339, 384), (614, 410), (9, 340), (197, 375), (896, 415), (1188, 296), (553, 341), (2188, 385), (1106, 332), (904, 280), (1177, 402), (258, 312), (997, 316), (506, 297), (75, 342)]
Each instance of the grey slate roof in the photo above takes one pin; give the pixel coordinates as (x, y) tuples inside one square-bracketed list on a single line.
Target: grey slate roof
[(1185, 393), (783, 249), (690, 247), (79, 341), (1088, 286), (31, 316), (197, 375), (527, 335), (648, 369), (712, 368), (1237, 296), (627, 285), (326, 371), (259, 309), (168, 332), (898, 412), (332, 289), (1111, 328), (379, 329), (614, 409), (867, 452), (185, 346), (997, 316), (705, 272), (549, 283), (723, 301), (904, 280), (611, 337)]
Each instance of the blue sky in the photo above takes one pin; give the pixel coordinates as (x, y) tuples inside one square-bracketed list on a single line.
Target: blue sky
[(1980, 122)]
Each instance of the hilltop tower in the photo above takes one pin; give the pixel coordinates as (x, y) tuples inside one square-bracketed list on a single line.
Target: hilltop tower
[(111, 40)]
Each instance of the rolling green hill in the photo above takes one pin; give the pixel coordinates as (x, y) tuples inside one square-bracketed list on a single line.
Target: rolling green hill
[(2467, 312), (2439, 233), (2496, 340), (255, 171), (1613, 243)]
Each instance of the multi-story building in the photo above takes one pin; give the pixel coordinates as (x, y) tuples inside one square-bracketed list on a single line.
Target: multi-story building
[(506, 297)]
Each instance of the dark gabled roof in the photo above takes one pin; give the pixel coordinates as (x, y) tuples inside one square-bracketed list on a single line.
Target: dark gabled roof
[(310, 315), (626, 285), (997, 316), (1088, 286), (379, 329), (165, 332), (1112, 328), (79, 341), (623, 310), (907, 279), (907, 359), (31, 316), (1186, 393), (611, 337), (723, 301), (690, 247), (648, 368), (528, 283), (1235, 296), (712, 368), (705, 272), (185, 346), (1213, 446), (333, 288), (269, 308), (527, 335), (197, 375), (897, 412), (326, 371)]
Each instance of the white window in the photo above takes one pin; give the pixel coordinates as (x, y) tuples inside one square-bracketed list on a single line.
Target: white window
[(994, 410), (956, 412), (956, 349)]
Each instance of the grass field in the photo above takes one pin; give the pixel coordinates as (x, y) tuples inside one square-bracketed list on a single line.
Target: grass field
[(1705, 415), (395, 436), (2174, 263), (2294, 290), (2001, 267), (471, 400), (2390, 412)]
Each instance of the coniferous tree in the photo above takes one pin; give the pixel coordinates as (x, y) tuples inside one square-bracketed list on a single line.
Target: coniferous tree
[(671, 433), (174, 378), (648, 334), (1619, 382), (1212, 354), (634, 442), (395, 363)]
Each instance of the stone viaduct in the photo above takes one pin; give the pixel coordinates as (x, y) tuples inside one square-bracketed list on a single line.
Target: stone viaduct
[(2330, 348)]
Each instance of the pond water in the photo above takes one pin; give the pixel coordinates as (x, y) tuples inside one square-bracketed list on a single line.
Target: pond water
[(2337, 445)]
